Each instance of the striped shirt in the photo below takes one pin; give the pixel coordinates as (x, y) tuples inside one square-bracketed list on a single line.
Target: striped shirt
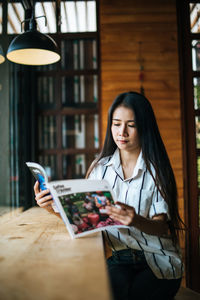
[(140, 192)]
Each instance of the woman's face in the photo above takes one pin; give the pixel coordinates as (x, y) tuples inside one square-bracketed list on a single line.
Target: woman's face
[(124, 129)]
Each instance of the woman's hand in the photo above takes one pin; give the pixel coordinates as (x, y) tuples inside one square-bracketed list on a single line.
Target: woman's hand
[(127, 216), (41, 197), (124, 213)]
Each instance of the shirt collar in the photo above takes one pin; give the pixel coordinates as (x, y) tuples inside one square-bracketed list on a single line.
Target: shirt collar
[(140, 164), (116, 162)]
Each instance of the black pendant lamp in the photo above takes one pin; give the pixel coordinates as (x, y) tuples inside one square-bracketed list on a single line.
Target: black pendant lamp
[(33, 47), (2, 58)]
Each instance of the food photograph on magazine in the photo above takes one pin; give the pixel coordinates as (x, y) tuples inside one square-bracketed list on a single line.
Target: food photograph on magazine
[(87, 211), (82, 205)]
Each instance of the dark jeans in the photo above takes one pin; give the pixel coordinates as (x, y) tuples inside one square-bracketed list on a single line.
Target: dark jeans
[(131, 278)]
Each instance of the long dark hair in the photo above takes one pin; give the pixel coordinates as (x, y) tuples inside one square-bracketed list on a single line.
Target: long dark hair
[(153, 150)]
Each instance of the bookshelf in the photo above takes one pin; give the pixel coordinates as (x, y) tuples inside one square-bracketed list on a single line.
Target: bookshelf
[(68, 107)]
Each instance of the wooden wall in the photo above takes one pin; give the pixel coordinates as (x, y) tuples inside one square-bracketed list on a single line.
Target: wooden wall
[(123, 25)]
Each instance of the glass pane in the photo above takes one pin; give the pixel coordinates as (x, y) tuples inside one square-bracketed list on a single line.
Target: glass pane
[(197, 121), (47, 138), (80, 131), (78, 16), (91, 16), (1, 17), (46, 92), (68, 132), (15, 17), (199, 211), (194, 17), (80, 91), (76, 166), (78, 54), (49, 10), (49, 164), (196, 55), (196, 86), (198, 171)]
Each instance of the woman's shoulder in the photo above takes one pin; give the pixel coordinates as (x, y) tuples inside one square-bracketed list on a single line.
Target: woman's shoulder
[(104, 160), (99, 167)]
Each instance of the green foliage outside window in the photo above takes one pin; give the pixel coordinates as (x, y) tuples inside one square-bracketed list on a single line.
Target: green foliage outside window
[(197, 96), (198, 170), (197, 121)]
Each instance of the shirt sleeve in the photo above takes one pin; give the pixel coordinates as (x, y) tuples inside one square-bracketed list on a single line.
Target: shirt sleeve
[(159, 205)]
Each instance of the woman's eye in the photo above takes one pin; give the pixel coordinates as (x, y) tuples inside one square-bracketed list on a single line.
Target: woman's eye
[(132, 126), (116, 124)]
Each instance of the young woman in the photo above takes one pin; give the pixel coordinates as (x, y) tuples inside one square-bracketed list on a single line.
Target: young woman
[(145, 261)]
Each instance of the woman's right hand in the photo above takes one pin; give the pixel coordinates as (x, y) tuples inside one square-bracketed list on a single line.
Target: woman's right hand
[(42, 198)]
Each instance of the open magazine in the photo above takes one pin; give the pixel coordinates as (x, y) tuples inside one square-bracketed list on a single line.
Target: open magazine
[(80, 202)]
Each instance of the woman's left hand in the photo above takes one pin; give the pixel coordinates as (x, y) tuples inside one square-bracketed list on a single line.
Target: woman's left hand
[(126, 215), (123, 213)]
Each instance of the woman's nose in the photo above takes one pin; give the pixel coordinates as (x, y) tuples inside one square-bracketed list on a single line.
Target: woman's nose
[(123, 131)]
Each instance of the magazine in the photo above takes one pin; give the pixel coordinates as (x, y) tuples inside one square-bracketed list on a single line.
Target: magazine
[(80, 202)]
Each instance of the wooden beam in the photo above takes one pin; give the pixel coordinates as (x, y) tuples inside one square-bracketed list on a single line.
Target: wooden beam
[(16, 12), (44, 10), (12, 24), (65, 12)]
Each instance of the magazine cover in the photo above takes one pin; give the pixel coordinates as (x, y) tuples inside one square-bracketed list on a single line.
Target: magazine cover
[(82, 205), (80, 202)]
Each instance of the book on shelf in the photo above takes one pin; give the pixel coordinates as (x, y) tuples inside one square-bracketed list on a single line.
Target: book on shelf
[(80, 202)]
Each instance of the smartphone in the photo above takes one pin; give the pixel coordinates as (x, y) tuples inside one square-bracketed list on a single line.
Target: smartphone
[(41, 182)]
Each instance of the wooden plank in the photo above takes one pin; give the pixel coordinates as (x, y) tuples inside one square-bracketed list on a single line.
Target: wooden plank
[(38, 260), (149, 75), (4, 210), (130, 64), (152, 95), (166, 109), (8, 213), (139, 19), (178, 172), (133, 6), (112, 34), (159, 85)]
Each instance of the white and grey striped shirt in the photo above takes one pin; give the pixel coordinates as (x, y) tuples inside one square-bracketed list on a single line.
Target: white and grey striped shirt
[(140, 192)]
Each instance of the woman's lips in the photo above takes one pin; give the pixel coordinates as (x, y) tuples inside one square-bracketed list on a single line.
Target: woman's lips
[(122, 141)]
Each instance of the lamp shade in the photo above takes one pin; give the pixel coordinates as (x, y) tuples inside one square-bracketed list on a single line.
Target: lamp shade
[(33, 48), (2, 58)]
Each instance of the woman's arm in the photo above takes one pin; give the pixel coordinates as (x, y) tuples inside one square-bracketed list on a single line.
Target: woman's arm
[(43, 199), (127, 216)]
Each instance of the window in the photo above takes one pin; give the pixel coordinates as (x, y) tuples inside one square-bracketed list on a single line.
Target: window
[(56, 117), (68, 108), (1, 17), (15, 17), (75, 16), (189, 37)]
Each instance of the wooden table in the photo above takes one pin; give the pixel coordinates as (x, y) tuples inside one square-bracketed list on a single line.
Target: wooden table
[(38, 260)]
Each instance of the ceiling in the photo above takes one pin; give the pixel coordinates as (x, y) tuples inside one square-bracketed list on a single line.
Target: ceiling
[(75, 16)]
